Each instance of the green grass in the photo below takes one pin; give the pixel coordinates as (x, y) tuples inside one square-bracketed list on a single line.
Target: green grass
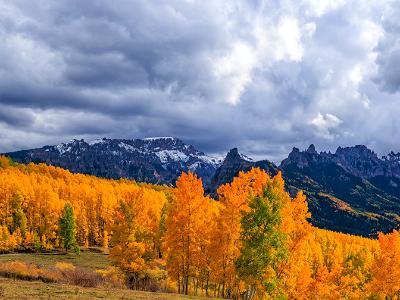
[(89, 260), (16, 289)]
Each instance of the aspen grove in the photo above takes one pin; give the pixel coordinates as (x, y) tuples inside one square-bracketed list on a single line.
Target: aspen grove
[(255, 242)]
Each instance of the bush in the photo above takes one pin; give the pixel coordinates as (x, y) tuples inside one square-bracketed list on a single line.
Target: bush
[(63, 273), (82, 277), (63, 266), (152, 280), (20, 270), (114, 277)]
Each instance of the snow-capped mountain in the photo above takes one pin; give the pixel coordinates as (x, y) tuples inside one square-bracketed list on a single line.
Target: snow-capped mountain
[(156, 160)]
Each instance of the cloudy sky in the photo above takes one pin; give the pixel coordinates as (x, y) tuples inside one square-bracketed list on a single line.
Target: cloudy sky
[(260, 75)]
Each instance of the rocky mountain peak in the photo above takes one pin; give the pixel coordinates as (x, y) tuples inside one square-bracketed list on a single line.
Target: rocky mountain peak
[(299, 158), (360, 161), (311, 149), (358, 151), (392, 157), (232, 154), (164, 142), (235, 155), (233, 163)]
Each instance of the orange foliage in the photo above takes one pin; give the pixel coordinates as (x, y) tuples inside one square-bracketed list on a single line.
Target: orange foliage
[(44, 190), (155, 230), (189, 224), (226, 245), (135, 229), (386, 267)]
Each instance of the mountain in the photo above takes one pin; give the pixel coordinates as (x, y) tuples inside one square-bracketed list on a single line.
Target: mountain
[(154, 160), (351, 190), (235, 162)]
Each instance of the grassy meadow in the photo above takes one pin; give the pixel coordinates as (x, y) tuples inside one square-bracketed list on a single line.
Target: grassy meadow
[(11, 288), (17, 289), (92, 260)]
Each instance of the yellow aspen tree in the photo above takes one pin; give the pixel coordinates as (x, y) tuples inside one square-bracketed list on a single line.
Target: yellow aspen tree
[(234, 198), (183, 235), (386, 267)]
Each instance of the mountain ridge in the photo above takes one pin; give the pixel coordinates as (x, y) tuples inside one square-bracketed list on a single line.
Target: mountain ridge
[(155, 160), (351, 190)]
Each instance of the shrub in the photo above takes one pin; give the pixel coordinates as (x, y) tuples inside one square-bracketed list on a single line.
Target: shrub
[(63, 273), (63, 266), (20, 270), (82, 277), (114, 277)]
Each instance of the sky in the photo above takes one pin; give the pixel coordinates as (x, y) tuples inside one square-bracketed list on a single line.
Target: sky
[(263, 76)]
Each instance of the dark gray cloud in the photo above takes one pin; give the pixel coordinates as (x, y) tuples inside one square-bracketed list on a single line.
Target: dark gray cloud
[(260, 75)]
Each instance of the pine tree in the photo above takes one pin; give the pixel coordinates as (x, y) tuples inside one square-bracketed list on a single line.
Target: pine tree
[(67, 227)]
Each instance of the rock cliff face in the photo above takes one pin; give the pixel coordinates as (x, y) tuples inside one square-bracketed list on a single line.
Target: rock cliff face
[(235, 162)]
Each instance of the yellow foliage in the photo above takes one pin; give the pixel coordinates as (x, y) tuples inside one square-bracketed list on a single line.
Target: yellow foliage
[(153, 231), (62, 266), (44, 190)]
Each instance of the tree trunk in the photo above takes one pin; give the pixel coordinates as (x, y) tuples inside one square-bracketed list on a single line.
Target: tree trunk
[(250, 292), (208, 276), (179, 284)]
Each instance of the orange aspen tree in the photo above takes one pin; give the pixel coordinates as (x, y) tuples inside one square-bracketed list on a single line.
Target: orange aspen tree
[(183, 229), (296, 271), (386, 267), (234, 199)]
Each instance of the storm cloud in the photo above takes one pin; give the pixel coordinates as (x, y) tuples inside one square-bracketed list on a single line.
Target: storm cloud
[(263, 76)]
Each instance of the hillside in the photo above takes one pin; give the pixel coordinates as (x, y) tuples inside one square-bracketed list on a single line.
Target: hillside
[(351, 190)]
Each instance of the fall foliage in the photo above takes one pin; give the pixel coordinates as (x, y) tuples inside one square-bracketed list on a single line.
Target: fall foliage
[(254, 242), (32, 199)]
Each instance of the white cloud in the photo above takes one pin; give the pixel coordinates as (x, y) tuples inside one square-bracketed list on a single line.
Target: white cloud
[(324, 123), (235, 69), (289, 35), (320, 7)]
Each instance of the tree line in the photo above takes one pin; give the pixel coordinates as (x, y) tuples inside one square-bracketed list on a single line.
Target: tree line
[(255, 242)]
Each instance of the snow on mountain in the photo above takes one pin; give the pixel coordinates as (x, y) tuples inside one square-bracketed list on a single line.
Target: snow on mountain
[(245, 157), (175, 155), (63, 148), (97, 141), (159, 138), (156, 160), (167, 149)]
